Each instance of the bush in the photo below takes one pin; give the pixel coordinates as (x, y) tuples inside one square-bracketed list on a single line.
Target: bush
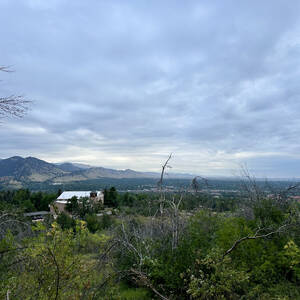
[(65, 221), (95, 223)]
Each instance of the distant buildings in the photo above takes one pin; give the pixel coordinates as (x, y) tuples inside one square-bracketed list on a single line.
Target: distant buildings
[(60, 204)]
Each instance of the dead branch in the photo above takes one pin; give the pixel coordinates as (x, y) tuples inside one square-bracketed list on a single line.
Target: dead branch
[(254, 237), (125, 241), (6, 69), (165, 165), (160, 183), (195, 185), (13, 105), (142, 277), (175, 220), (250, 186), (283, 196)]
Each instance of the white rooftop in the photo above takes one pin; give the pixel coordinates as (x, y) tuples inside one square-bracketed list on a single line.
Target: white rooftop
[(79, 194)]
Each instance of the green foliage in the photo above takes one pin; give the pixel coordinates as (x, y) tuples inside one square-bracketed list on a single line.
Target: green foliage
[(291, 254), (111, 197), (267, 213), (129, 199), (169, 264), (27, 200), (52, 268), (97, 260), (196, 267), (80, 207), (65, 221), (127, 293), (93, 223), (72, 205), (106, 221), (214, 278), (28, 206)]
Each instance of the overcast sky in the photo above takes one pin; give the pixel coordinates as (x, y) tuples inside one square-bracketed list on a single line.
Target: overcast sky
[(122, 84)]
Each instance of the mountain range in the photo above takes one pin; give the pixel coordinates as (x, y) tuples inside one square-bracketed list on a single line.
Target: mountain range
[(17, 169)]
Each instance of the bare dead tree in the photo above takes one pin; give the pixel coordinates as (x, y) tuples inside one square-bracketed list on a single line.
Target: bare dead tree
[(249, 185), (165, 165), (164, 228), (251, 192), (13, 105), (175, 220), (170, 208), (162, 197), (196, 185), (255, 193), (283, 197), (132, 240)]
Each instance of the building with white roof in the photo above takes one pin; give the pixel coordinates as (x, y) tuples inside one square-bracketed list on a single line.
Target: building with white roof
[(59, 205)]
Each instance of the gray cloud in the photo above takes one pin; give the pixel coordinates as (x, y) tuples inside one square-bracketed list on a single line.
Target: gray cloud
[(123, 83)]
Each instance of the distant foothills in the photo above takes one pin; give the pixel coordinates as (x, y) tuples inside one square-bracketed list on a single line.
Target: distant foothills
[(17, 170)]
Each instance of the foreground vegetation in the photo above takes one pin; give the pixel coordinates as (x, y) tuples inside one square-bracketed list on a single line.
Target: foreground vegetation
[(164, 246)]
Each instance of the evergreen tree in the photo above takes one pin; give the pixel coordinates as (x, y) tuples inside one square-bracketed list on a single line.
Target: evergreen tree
[(113, 196)]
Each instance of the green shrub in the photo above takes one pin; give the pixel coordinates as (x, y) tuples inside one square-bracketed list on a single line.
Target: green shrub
[(65, 221)]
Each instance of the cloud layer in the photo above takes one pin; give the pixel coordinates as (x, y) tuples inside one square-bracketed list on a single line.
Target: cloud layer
[(123, 83)]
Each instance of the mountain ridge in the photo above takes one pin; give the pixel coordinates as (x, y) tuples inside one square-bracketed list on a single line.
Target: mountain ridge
[(31, 169), (28, 169)]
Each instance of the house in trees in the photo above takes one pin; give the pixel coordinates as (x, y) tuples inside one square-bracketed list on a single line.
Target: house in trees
[(60, 204)]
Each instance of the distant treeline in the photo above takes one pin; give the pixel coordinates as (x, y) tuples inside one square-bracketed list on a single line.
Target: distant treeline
[(26, 200), (125, 184), (131, 203)]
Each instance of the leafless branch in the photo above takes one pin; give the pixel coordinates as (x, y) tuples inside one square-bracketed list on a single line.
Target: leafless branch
[(6, 69), (251, 187), (283, 196), (144, 280), (13, 105), (254, 237), (160, 183), (165, 165), (195, 185)]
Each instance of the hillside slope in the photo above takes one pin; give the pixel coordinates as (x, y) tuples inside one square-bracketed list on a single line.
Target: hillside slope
[(28, 169)]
